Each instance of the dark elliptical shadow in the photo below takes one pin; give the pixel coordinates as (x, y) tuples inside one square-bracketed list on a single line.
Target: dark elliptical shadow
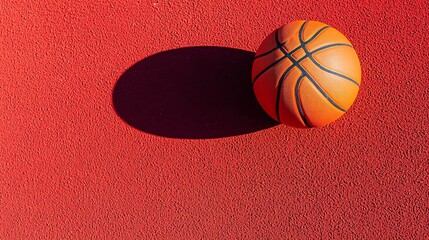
[(194, 93)]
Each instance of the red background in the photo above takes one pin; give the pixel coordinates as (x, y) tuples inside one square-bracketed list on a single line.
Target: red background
[(73, 166)]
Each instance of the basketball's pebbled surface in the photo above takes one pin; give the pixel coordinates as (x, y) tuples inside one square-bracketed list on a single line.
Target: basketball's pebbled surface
[(306, 74), (72, 168)]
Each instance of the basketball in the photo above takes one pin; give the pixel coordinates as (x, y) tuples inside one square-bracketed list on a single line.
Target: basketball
[(306, 74)]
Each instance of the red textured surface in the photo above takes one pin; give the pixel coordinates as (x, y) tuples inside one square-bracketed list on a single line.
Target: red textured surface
[(75, 165)]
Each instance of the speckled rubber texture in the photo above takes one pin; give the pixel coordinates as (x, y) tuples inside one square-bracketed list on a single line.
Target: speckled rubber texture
[(74, 167)]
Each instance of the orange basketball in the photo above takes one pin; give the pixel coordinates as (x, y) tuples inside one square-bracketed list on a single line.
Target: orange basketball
[(306, 74)]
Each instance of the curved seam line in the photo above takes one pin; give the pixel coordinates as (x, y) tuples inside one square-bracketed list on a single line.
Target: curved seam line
[(303, 71), (310, 123), (299, 102), (321, 67), (315, 88), (270, 51), (331, 46), (279, 46), (316, 34), (268, 68), (305, 115), (279, 89), (301, 30), (320, 89)]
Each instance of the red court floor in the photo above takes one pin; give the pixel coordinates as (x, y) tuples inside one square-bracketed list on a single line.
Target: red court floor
[(136, 120)]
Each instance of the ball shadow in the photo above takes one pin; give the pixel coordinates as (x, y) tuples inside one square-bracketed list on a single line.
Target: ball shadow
[(194, 93)]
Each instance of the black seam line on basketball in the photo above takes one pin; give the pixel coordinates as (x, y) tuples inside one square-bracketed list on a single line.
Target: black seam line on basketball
[(320, 89), (299, 60), (285, 52), (332, 72), (280, 85), (330, 46), (268, 67), (279, 45), (309, 76), (298, 102), (279, 89), (316, 34), (306, 74), (270, 51), (318, 64)]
